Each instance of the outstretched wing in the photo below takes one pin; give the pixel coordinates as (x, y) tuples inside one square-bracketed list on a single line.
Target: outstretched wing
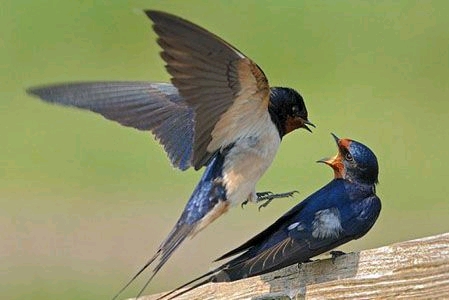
[(229, 92), (156, 107)]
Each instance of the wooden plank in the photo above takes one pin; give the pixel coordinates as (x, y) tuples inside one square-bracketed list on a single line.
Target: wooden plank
[(417, 269)]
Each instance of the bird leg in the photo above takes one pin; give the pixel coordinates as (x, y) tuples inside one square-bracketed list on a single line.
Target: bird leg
[(269, 196)]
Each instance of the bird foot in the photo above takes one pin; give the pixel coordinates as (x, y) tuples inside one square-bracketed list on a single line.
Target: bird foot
[(259, 196), (336, 253), (244, 203), (300, 264), (269, 196)]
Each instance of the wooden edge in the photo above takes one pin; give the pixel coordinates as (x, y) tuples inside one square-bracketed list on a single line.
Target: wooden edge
[(417, 269)]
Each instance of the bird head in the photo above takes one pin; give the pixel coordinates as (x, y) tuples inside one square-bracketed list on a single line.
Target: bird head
[(288, 110), (354, 162)]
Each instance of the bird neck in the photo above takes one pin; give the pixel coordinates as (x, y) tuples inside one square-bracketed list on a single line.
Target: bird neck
[(358, 190)]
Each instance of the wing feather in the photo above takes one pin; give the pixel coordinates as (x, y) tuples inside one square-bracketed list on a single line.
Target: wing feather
[(212, 76), (155, 107)]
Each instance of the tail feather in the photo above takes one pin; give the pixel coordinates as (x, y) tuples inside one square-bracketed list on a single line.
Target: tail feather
[(205, 205), (164, 252), (175, 238), (149, 262), (213, 277), (187, 290)]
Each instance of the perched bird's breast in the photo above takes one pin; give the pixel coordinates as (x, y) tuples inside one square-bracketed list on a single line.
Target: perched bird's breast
[(247, 161)]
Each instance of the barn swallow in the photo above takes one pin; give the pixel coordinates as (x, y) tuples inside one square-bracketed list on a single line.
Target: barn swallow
[(219, 113), (343, 210)]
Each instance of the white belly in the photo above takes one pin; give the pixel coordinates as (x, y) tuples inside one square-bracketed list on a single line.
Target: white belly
[(247, 161)]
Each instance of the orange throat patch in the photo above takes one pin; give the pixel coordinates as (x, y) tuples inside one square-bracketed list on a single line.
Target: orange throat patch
[(336, 163)]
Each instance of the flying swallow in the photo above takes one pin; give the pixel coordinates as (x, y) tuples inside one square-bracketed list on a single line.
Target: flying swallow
[(343, 210), (219, 113)]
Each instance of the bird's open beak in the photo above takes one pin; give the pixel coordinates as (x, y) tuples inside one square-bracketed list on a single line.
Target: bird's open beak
[(307, 122), (334, 162), (330, 161), (336, 138), (342, 144)]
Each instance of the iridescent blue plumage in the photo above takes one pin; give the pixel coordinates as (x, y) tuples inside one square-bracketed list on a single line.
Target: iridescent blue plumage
[(367, 168), (343, 210), (209, 191), (308, 230)]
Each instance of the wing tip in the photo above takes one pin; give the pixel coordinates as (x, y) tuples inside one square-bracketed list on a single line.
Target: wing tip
[(40, 92), (33, 91), (150, 13), (230, 253), (44, 92), (155, 15)]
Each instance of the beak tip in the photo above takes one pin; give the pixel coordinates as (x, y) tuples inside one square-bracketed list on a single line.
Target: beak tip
[(336, 138), (322, 161), (307, 122)]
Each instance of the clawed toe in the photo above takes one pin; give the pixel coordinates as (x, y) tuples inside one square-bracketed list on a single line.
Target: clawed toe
[(243, 204), (336, 253), (265, 204), (269, 196)]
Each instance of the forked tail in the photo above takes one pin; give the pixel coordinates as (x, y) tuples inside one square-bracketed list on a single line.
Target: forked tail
[(214, 276), (207, 203), (165, 250)]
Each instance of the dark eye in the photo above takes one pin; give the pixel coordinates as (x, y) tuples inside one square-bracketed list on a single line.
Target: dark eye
[(295, 110), (349, 157)]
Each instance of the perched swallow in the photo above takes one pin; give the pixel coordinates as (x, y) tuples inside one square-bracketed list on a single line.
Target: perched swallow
[(343, 210), (219, 113)]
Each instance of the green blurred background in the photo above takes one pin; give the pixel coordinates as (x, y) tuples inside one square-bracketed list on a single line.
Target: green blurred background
[(84, 202)]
